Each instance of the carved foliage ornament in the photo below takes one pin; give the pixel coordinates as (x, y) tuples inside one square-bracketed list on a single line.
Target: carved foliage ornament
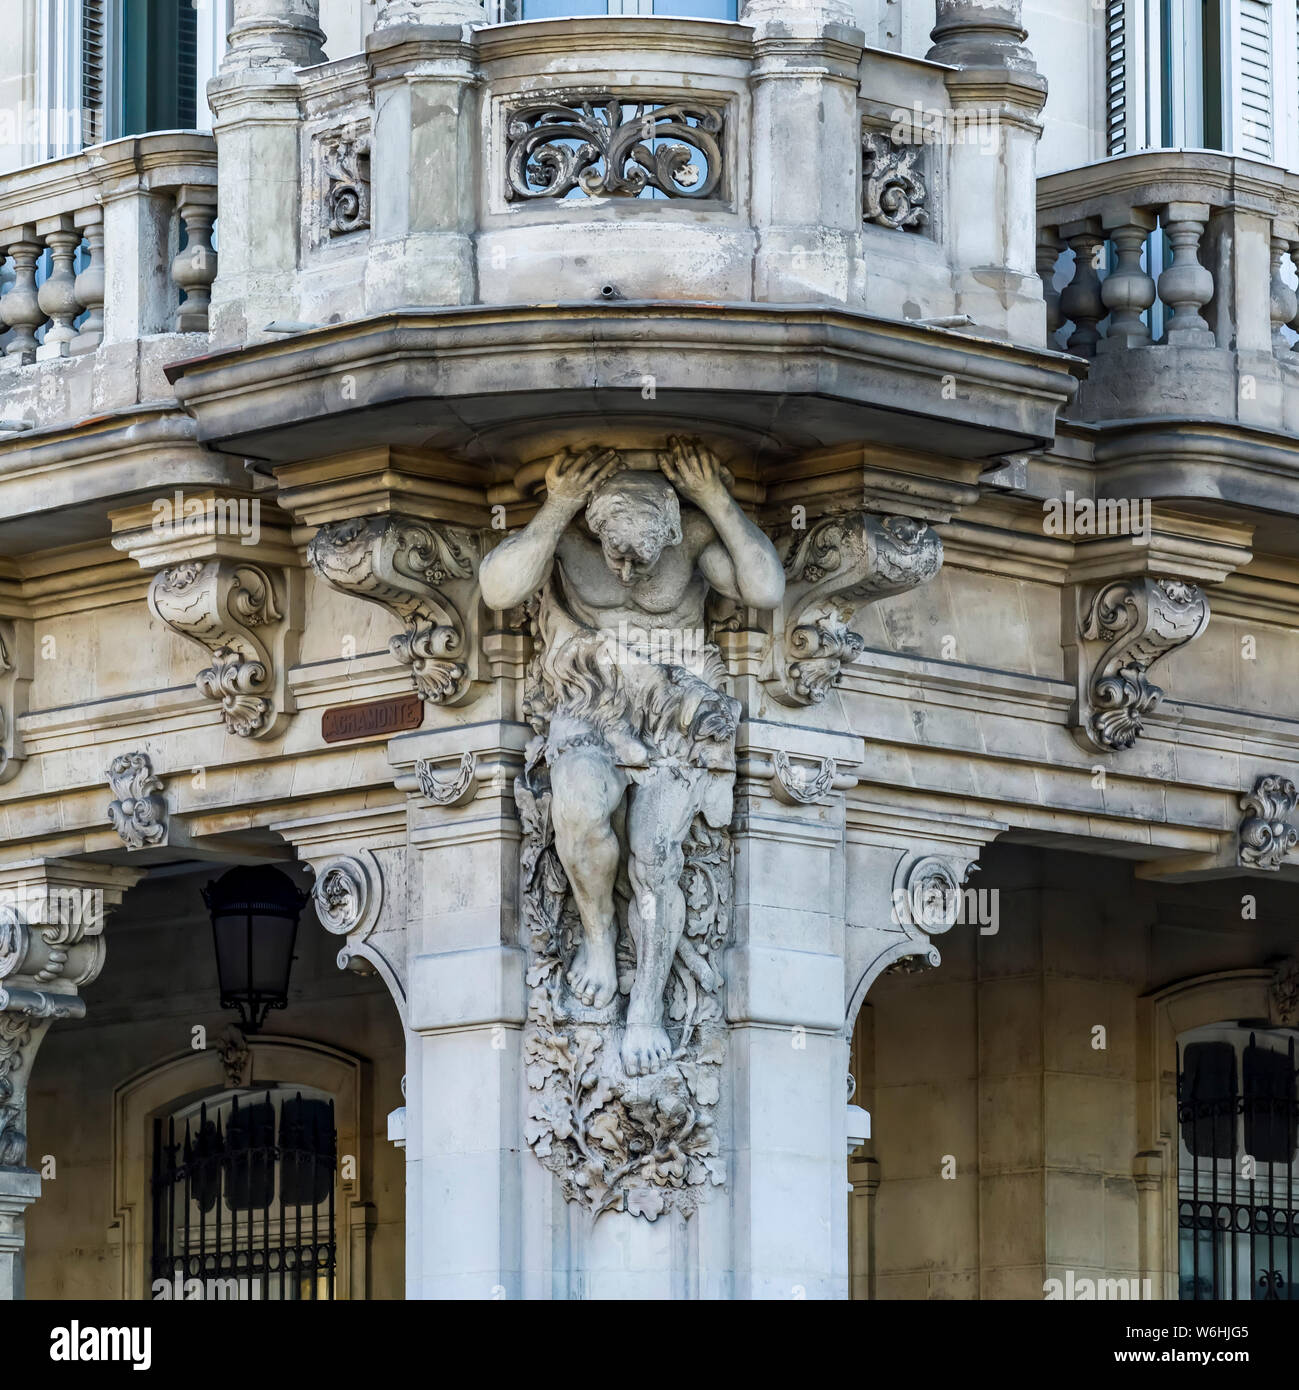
[(402, 563), (606, 146), (1269, 829), (229, 608), (841, 561), (893, 184), (25, 1015), (345, 157), (1284, 993), (1140, 620), (138, 812)]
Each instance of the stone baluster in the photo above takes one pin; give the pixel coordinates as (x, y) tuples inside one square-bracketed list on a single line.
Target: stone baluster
[(1128, 291), (195, 268), (1048, 253), (58, 296), (20, 309), (1186, 286), (1293, 325), (1080, 300), (1284, 301), (89, 285)]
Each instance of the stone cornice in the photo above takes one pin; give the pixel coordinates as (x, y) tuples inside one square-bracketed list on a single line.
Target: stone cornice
[(616, 34)]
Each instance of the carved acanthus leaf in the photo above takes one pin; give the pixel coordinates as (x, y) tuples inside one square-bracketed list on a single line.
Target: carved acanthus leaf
[(345, 158), (138, 812), (1139, 620), (840, 562), (403, 564), (607, 145), (228, 607), (1269, 829), (893, 184)]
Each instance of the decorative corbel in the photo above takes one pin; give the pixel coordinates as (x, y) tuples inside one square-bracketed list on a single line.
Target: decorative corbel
[(348, 898), (15, 681), (138, 811), (51, 945), (1126, 627), (1269, 829), (404, 564), (840, 562), (231, 607)]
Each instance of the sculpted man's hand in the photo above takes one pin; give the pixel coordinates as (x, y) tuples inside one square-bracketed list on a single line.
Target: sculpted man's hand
[(693, 470), (571, 478)]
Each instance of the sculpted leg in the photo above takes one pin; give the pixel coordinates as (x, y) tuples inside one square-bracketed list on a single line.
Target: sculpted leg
[(586, 788), (657, 821)]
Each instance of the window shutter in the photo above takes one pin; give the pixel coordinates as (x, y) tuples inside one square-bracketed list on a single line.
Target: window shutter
[(1254, 80), (1116, 77), (93, 71)]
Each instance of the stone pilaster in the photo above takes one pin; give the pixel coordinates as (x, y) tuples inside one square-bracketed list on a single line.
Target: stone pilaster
[(51, 945), (996, 95), (255, 107)]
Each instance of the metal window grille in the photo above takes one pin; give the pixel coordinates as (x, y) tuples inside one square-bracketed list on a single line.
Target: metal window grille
[(1238, 1117), (243, 1198)]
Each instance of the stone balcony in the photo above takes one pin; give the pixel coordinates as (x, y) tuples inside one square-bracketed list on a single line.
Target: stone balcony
[(1191, 387), (475, 241)]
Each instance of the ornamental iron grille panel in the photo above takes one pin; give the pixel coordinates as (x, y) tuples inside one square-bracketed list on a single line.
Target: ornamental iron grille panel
[(609, 146), (243, 1197), (1238, 1122)]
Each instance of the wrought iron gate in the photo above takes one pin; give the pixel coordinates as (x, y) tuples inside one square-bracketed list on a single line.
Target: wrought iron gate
[(243, 1199), (1238, 1227)]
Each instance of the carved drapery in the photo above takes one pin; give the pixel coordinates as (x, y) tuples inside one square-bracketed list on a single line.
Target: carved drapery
[(1138, 621), (229, 607), (1269, 828), (894, 192), (838, 563), (453, 788), (406, 566), (138, 811), (610, 146)]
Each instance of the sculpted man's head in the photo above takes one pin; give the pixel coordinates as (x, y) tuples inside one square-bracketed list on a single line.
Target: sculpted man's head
[(635, 516)]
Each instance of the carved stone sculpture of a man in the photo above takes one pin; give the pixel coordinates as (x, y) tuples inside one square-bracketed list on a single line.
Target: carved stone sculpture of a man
[(639, 734)]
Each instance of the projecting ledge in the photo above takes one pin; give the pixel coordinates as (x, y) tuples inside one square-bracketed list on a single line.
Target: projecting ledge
[(481, 381)]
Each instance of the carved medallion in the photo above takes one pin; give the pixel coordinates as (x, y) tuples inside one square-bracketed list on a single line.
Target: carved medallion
[(1269, 829)]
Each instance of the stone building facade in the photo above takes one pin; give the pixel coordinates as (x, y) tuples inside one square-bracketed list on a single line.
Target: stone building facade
[(734, 573)]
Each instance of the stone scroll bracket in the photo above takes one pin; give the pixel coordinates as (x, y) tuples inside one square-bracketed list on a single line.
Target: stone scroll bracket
[(16, 656), (425, 573), (1136, 596), (840, 562), (226, 577), (359, 888), (1269, 824), (913, 878), (52, 915), (248, 618), (1123, 628)]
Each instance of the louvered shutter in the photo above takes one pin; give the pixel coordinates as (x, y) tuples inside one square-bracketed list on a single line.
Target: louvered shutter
[(1254, 134), (1116, 77), (94, 83)]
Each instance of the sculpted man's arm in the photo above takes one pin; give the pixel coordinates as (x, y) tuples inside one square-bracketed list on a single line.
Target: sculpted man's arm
[(521, 564), (745, 557)]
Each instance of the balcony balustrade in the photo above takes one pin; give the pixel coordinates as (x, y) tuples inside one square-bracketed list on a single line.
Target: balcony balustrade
[(1182, 290), (104, 251)]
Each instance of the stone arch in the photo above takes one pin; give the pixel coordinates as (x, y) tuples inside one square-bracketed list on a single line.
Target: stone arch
[(189, 1075)]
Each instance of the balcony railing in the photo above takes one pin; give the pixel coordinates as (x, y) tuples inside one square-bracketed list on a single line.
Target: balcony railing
[(1183, 283), (110, 245)]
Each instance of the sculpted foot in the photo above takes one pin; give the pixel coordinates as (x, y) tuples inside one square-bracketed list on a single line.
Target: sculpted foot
[(593, 976), (645, 1047)]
